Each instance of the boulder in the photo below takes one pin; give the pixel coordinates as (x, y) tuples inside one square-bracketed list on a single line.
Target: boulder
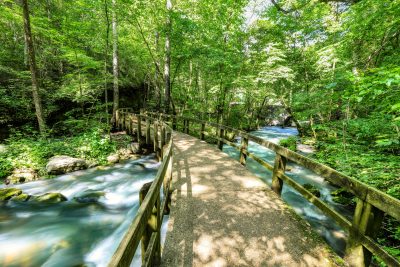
[(49, 198), (22, 176), (124, 153), (89, 196), (135, 148), (21, 198), (65, 164), (8, 193), (113, 158)]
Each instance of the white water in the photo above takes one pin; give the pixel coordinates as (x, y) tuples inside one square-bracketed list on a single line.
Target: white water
[(322, 224), (73, 233)]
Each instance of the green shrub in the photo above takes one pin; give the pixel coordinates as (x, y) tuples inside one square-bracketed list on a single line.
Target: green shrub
[(290, 143), (34, 151)]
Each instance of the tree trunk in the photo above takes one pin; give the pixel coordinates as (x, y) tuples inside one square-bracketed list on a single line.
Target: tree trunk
[(105, 62), (167, 74), (156, 83), (115, 60), (32, 64)]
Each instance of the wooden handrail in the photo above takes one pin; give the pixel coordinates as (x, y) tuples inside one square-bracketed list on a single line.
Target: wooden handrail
[(371, 204), (147, 222)]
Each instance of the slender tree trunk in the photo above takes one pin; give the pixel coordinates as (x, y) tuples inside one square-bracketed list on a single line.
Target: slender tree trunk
[(32, 64), (157, 87), (115, 60), (167, 66), (105, 60)]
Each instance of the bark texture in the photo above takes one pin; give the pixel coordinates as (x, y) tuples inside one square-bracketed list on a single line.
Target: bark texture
[(33, 68)]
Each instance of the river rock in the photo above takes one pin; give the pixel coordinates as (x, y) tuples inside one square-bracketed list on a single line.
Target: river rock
[(8, 193), (50, 198), (113, 158), (65, 164), (22, 176), (313, 189), (89, 196), (21, 197), (135, 148)]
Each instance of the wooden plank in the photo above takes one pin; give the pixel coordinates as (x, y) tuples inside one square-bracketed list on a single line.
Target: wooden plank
[(151, 249), (279, 167), (378, 251), (243, 148)]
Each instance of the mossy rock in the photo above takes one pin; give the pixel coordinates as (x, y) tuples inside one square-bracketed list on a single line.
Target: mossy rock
[(50, 198), (8, 193), (21, 197), (89, 196), (343, 197), (313, 189)]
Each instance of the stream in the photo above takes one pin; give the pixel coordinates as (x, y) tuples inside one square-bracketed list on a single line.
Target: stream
[(322, 224), (75, 233)]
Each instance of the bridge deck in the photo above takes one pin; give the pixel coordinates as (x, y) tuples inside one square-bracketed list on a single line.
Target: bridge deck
[(223, 215)]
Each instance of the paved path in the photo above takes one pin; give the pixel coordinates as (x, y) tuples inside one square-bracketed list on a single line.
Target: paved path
[(223, 215)]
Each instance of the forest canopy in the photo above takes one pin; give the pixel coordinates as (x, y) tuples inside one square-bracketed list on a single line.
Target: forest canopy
[(331, 65)]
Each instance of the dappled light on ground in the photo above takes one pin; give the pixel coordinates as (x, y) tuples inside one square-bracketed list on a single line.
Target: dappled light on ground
[(222, 215)]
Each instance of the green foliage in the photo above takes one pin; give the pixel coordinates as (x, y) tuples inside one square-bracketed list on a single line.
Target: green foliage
[(34, 151), (290, 142)]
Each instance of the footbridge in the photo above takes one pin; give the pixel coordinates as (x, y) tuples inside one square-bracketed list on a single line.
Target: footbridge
[(220, 214)]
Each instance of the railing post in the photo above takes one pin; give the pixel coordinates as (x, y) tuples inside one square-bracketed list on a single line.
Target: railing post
[(221, 135), (174, 122), (148, 138), (243, 149), (153, 225), (279, 166), (367, 220), (156, 149), (162, 139), (187, 126), (203, 128)]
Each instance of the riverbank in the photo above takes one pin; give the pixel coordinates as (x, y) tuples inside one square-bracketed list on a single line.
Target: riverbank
[(365, 161), (26, 156)]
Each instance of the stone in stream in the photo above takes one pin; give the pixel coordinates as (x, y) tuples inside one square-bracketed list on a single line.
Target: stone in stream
[(49, 198), (89, 196), (343, 197), (313, 189), (21, 176), (21, 198), (8, 193), (65, 164)]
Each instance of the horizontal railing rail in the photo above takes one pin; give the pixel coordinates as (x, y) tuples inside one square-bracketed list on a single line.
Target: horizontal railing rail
[(372, 204), (145, 228)]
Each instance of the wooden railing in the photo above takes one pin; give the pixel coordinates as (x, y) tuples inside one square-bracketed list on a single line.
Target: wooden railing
[(372, 204), (146, 225)]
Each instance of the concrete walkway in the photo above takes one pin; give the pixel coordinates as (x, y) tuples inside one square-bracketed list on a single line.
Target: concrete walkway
[(223, 215)]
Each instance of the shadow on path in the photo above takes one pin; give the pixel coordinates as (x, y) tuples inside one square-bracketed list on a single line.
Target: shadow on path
[(223, 215)]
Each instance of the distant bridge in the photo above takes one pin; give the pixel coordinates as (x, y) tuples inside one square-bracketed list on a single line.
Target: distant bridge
[(223, 215)]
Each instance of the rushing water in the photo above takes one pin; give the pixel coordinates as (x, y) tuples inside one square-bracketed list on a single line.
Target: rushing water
[(326, 227), (73, 233)]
